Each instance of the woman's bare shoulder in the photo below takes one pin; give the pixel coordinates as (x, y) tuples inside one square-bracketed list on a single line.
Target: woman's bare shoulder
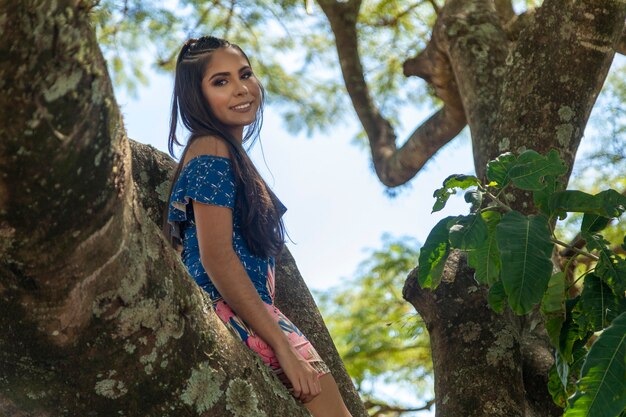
[(207, 145)]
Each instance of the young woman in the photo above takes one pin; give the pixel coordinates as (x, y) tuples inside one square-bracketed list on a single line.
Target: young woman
[(228, 221)]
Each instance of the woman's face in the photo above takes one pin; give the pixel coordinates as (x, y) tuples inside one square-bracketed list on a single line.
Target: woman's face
[(231, 89)]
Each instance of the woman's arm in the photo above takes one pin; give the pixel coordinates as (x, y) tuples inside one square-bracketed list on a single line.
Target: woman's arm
[(215, 232)]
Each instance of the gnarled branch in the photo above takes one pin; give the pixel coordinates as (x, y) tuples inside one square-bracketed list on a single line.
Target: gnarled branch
[(393, 166)]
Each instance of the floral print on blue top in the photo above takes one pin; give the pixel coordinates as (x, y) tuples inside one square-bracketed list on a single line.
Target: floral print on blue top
[(210, 179)]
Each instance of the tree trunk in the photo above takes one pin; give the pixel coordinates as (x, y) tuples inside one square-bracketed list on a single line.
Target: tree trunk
[(99, 317), (538, 98)]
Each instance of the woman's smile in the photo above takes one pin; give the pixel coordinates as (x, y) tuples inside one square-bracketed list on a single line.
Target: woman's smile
[(242, 108)]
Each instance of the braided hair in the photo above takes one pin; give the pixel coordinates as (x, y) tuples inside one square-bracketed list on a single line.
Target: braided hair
[(261, 223)]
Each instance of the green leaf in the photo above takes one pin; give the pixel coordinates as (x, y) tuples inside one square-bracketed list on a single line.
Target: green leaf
[(475, 198), (531, 169), (554, 298), (542, 197), (601, 391), (525, 254), (614, 201), (598, 305), (572, 335), (496, 297), (469, 232), (434, 253), (486, 258), (593, 223), (608, 203), (556, 388), (498, 169), (611, 268), (554, 326), (450, 185), (553, 306)]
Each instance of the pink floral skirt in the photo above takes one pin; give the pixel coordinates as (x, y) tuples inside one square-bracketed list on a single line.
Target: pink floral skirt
[(258, 345)]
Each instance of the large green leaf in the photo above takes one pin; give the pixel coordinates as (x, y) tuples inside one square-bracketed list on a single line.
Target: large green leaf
[(611, 268), (598, 304), (450, 185), (608, 203), (532, 168), (553, 306), (499, 168), (469, 232), (601, 391), (554, 298), (486, 258), (525, 254), (434, 253)]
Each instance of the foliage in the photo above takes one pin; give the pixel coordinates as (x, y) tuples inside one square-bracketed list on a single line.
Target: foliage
[(511, 252), (378, 335), (291, 47)]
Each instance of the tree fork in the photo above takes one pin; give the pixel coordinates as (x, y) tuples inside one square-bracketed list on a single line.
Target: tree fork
[(393, 166)]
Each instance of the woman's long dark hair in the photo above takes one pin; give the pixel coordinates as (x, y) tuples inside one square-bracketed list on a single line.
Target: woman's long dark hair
[(261, 222)]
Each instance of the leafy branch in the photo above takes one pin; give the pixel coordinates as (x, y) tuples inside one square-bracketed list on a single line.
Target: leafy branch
[(511, 252), (504, 206)]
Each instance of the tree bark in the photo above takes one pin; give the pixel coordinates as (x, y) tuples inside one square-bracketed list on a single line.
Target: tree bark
[(99, 316)]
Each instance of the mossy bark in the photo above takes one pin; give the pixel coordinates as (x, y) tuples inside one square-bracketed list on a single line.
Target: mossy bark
[(99, 317)]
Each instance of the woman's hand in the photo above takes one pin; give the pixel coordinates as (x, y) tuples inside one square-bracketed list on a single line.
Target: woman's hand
[(303, 377)]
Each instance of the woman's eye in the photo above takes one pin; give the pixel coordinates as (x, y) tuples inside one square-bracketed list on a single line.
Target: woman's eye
[(219, 83), (246, 75)]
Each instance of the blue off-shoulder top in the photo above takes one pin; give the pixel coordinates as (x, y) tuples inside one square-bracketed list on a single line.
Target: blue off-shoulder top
[(210, 179)]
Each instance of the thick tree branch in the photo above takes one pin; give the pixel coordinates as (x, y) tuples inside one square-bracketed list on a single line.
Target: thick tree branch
[(393, 166), (554, 110), (476, 45)]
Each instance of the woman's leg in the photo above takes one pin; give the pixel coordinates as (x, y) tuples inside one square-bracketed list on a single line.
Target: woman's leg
[(329, 402)]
